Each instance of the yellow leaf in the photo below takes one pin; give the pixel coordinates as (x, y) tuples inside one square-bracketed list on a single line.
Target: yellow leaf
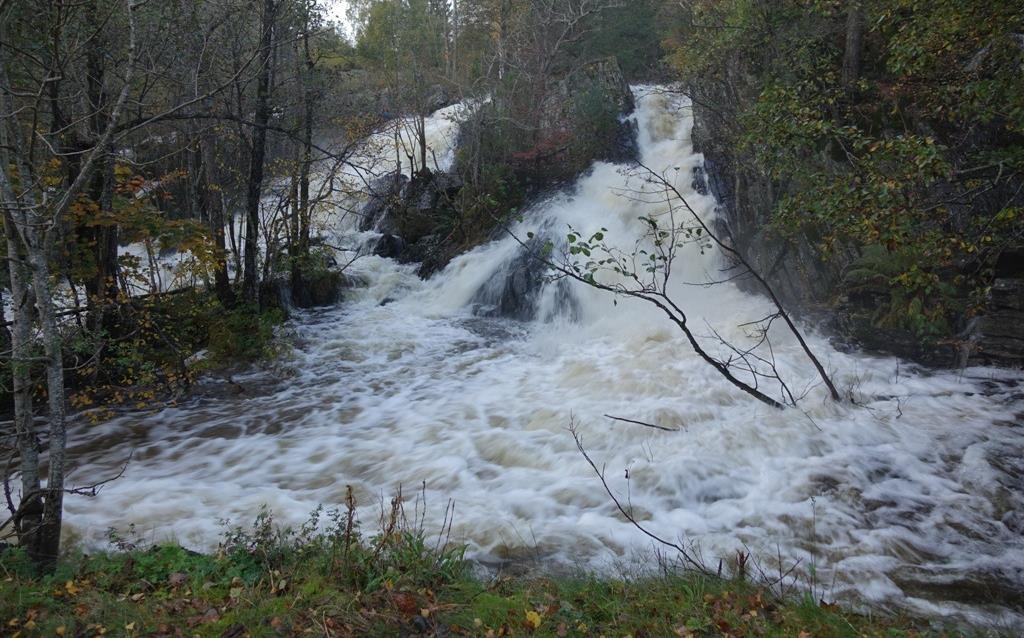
[(130, 626), (533, 619), (60, 630), (70, 587)]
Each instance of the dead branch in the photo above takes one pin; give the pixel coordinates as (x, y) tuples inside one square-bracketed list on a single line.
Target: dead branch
[(646, 425), (690, 560)]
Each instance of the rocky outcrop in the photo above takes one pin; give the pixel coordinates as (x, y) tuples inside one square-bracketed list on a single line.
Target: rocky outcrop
[(800, 276), (385, 194), (312, 290), (513, 291), (996, 337), (808, 284), (408, 214), (581, 120), (590, 105)]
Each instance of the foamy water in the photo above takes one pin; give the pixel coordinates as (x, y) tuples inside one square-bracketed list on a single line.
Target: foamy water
[(913, 498)]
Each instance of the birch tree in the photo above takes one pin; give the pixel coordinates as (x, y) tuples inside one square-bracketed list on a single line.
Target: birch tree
[(35, 203)]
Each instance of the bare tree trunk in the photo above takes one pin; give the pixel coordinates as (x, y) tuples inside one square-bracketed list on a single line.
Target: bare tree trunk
[(37, 225), (106, 242), (504, 15), (48, 536), (421, 133), (250, 280), (213, 207), (854, 42), (102, 287), (29, 513), (308, 115)]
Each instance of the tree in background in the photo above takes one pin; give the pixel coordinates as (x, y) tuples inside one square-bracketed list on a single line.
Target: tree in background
[(130, 131), (886, 135)]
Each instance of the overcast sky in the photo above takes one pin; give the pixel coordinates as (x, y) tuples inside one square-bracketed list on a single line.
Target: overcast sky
[(337, 13)]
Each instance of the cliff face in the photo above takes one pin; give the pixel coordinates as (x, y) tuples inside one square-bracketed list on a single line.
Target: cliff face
[(800, 276)]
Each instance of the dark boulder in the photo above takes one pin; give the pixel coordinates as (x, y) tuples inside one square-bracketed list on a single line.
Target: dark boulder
[(385, 194), (514, 291), (431, 252), (389, 246), (424, 202), (312, 290), (437, 97), (408, 213)]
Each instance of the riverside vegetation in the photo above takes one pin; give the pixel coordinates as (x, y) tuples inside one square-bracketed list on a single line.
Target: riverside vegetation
[(269, 581)]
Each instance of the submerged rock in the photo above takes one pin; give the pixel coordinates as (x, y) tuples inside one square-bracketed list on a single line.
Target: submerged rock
[(389, 246), (514, 292)]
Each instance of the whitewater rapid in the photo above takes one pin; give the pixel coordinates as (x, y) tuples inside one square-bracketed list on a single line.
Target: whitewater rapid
[(912, 498)]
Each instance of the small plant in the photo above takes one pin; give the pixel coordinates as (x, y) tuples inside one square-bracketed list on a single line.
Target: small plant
[(122, 543)]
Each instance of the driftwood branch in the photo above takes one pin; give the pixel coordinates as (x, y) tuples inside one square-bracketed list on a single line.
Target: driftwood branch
[(646, 425)]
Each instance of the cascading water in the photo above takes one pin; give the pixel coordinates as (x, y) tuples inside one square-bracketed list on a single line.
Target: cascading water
[(912, 498)]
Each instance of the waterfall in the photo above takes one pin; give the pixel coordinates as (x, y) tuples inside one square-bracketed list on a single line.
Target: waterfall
[(906, 499)]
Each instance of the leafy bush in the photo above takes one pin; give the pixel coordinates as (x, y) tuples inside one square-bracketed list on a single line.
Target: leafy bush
[(244, 333)]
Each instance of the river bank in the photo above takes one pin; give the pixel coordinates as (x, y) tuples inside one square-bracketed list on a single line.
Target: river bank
[(264, 582)]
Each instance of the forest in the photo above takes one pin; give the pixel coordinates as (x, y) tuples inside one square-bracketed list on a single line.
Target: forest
[(512, 317)]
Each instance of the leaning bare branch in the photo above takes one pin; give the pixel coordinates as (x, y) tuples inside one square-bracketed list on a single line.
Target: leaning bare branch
[(686, 555), (736, 255)]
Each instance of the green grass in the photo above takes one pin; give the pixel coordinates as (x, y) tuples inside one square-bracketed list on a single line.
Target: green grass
[(270, 582)]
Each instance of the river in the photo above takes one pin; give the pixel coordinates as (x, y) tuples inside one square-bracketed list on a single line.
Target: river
[(911, 498)]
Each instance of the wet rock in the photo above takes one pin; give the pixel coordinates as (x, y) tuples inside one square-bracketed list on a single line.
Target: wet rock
[(431, 252), (598, 90), (385, 195), (389, 246), (997, 336), (408, 213), (514, 290), (424, 202), (321, 287), (437, 98)]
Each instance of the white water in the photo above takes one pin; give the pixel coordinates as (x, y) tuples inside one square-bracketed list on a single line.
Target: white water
[(918, 489)]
